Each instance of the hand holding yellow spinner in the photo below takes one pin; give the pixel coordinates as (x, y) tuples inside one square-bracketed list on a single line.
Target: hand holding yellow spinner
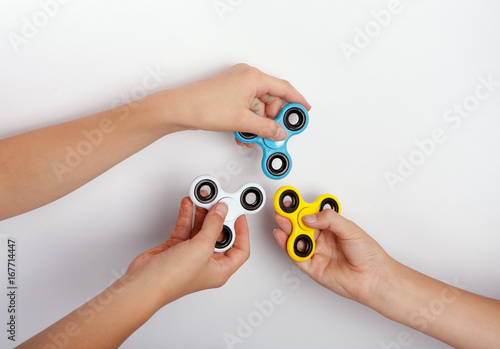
[(288, 203)]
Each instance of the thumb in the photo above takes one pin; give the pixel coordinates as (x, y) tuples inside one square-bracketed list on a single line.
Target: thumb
[(261, 126), (332, 221), (212, 226)]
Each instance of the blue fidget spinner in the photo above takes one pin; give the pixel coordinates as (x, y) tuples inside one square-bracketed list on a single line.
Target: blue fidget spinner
[(276, 162)]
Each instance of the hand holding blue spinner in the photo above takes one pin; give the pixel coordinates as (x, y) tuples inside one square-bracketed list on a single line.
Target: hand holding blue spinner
[(276, 162)]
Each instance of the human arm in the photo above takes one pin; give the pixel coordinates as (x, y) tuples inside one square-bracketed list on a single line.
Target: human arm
[(352, 264), (184, 264), (40, 166)]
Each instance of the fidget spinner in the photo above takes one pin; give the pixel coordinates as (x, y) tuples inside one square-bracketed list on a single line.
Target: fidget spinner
[(276, 162), (206, 191), (288, 203)]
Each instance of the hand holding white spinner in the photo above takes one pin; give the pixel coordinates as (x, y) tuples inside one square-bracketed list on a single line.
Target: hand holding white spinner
[(205, 191)]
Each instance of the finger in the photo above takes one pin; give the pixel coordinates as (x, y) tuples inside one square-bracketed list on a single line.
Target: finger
[(242, 238), (273, 106), (239, 253), (199, 217), (248, 145), (281, 238), (258, 107), (183, 223), (261, 126), (212, 226), (284, 223), (280, 88), (332, 221)]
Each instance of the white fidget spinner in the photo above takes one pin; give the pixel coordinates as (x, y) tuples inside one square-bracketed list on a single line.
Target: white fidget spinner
[(206, 191)]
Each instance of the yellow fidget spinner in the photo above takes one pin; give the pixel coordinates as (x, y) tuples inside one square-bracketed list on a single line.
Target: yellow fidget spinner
[(288, 203)]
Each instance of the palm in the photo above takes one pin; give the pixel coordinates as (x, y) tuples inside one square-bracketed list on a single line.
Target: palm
[(345, 261), (345, 266)]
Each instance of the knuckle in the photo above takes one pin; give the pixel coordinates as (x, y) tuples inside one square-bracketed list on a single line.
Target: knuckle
[(270, 130), (241, 66), (287, 84), (329, 214), (251, 72), (218, 220), (206, 244)]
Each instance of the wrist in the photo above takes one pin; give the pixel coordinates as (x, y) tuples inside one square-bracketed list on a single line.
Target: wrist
[(153, 115), (170, 111), (385, 286), (158, 291), (398, 291), (146, 290)]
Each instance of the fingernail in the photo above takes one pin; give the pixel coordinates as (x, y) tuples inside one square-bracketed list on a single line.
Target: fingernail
[(310, 219), (221, 209), (280, 134)]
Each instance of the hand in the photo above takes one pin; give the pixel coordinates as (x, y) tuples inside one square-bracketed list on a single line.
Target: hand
[(186, 262), (346, 260), (227, 102)]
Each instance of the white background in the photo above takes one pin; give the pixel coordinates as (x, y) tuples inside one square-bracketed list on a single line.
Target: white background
[(367, 113)]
